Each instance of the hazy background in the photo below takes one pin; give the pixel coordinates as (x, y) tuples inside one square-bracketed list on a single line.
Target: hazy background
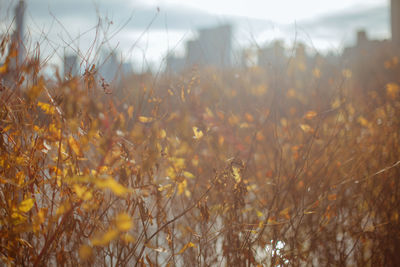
[(143, 31)]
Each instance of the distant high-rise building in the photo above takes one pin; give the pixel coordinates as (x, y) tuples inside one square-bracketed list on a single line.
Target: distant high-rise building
[(112, 69), (70, 65), (16, 46), (194, 53), (362, 38), (18, 37), (395, 20), (216, 45), (272, 56), (174, 64), (109, 69), (17, 40), (213, 47)]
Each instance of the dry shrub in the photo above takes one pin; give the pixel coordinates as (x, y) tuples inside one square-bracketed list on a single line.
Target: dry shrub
[(237, 168)]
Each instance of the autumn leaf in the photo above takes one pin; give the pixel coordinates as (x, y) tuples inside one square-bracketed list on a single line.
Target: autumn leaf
[(310, 114), (164, 187), (285, 213), (75, 146), (104, 240), (182, 187), (130, 112), (123, 222), (185, 247), (188, 175), (26, 205), (236, 174), (306, 128), (85, 252), (127, 238), (82, 192), (316, 73), (47, 108), (197, 133), (392, 90), (363, 121), (162, 134), (332, 197), (3, 68), (114, 186), (347, 73), (144, 119)]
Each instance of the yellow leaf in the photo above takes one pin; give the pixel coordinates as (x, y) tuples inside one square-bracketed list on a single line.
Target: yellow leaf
[(170, 172), (260, 136), (306, 128), (392, 90), (75, 146), (347, 73), (332, 197), (233, 120), (123, 222), (144, 119), (113, 185), (26, 205), (310, 114), (185, 247), (82, 192), (259, 213), (127, 238), (363, 121), (182, 187), (17, 218), (3, 68), (188, 175), (41, 216), (197, 133), (20, 177), (47, 108), (85, 252), (130, 112), (164, 187), (285, 213), (291, 93), (183, 94), (336, 103), (221, 140), (236, 174), (316, 73), (179, 163), (109, 236), (63, 208), (163, 134), (5, 129), (249, 117)]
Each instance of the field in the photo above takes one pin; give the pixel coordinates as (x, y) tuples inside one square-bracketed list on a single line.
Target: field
[(295, 166)]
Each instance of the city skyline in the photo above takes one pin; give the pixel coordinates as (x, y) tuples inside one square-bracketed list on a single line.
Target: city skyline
[(151, 34)]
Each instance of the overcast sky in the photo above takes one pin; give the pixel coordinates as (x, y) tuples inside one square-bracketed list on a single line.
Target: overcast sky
[(144, 30)]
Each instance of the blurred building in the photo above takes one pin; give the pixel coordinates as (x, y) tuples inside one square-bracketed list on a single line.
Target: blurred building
[(175, 64), (112, 68), (70, 65), (18, 35), (212, 47), (366, 49), (16, 49), (272, 55), (395, 21)]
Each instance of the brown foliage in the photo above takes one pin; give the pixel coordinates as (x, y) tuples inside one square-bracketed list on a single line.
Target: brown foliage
[(238, 168)]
